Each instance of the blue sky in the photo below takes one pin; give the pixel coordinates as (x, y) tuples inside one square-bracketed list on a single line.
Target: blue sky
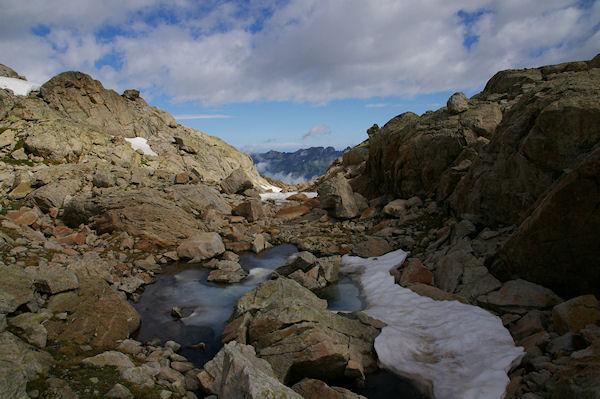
[(288, 74)]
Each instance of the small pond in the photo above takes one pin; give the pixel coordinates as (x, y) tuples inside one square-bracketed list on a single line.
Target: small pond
[(207, 306)]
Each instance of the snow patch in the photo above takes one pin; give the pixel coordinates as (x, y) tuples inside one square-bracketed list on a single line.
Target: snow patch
[(18, 86), (282, 197), (452, 349), (140, 143)]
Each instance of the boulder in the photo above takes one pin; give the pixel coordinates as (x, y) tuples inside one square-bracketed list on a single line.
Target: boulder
[(336, 196), (30, 326), (372, 246), (54, 280), (227, 272), (575, 314), (140, 376), (236, 182), (201, 246), (109, 358), (138, 213), (519, 296), (414, 273), (97, 315), (579, 379), (119, 391), (457, 103), (310, 388), (292, 212), (20, 363), (16, 288), (236, 372), (291, 329), (396, 209), (252, 210), (53, 195)]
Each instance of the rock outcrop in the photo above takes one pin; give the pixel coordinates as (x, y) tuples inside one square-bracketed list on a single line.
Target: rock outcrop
[(291, 329)]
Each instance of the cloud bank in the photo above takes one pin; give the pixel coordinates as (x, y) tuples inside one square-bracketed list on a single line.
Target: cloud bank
[(221, 52), (319, 130)]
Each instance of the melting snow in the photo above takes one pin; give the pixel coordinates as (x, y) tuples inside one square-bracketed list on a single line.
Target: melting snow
[(18, 86), (281, 197), (140, 143), (454, 350)]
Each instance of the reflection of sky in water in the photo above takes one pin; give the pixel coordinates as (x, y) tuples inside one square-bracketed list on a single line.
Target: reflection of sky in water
[(206, 306)]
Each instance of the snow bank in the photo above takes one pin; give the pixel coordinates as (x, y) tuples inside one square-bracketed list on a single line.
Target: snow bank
[(454, 350), (18, 86), (281, 197), (140, 143)]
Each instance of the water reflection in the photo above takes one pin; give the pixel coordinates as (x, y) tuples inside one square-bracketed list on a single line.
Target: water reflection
[(206, 306)]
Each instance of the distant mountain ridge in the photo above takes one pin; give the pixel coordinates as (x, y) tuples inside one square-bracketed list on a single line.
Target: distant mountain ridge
[(295, 167)]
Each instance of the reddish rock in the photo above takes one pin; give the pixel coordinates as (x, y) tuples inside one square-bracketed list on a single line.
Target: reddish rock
[(182, 178), (300, 197), (368, 213), (252, 210), (238, 246), (23, 218), (73, 239), (61, 231), (414, 272), (435, 293), (292, 212), (372, 247)]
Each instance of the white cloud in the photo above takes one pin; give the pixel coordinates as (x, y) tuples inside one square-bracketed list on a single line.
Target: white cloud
[(319, 130), (305, 50)]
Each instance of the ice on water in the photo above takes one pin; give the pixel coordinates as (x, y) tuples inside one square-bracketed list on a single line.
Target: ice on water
[(451, 349)]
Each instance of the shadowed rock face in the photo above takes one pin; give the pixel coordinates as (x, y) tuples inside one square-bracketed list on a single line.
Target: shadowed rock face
[(557, 245), (523, 152)]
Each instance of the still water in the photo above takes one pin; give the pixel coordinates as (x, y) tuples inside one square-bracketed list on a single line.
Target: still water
[(207, 306)]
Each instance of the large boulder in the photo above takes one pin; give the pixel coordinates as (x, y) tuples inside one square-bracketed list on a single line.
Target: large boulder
[(519, 296), (337, 197), (236, 372), (147, 210), (53, 195), (201, 246), (237, 182), (290, 328), (97, 315)]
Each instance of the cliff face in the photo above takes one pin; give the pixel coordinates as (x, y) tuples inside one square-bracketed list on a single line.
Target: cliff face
[(522, 152)]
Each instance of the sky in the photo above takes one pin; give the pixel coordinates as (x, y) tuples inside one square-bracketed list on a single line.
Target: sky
[(290, 74)]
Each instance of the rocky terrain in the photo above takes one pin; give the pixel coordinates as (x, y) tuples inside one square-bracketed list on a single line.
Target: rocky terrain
[(495, 197), (298, 166)]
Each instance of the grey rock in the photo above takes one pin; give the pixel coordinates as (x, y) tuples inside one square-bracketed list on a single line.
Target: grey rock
[(457, 103), (19, 363), (237, 182), (30, 327), (54, 280), (336, 196), (119, 391), (201, 246), (109, 358), (235, 372)]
